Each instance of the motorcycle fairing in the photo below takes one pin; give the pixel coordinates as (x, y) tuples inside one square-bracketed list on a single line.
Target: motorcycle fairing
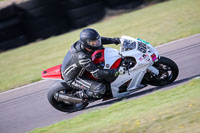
[(112, 58), (135, 76), (116, 64), (98, 56), (144, 58), (109, 58), (53, 73), (151, 53), (103, 58)]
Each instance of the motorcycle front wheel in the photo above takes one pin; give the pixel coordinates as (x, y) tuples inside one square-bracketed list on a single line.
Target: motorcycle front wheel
[(61, 88), (168, 72)]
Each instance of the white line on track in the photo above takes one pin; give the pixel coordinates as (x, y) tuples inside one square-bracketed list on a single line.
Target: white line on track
[(19, 88), (169, 43)]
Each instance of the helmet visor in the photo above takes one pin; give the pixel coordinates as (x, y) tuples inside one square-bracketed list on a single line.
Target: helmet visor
[(94, 43)]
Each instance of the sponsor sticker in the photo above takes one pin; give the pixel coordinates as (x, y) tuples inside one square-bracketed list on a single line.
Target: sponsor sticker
[(144, 57), (153, 56), (141, 58)]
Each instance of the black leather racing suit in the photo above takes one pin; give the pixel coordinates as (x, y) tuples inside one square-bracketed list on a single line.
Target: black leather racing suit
[(76, 61)]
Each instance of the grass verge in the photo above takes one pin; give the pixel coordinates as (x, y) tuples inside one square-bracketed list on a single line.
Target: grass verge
[(157, 24), (171, 111)]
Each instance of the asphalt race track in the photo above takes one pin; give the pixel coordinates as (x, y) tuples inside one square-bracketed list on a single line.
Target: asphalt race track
[(26, 108)]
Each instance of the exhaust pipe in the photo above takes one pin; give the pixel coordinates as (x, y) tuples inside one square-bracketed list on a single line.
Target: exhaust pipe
[(68, 99)]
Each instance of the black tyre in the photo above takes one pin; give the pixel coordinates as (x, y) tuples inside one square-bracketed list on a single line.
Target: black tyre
[(115, 2), (61, 87), (44, 28), (48, 31), (130, 5), (168, 72), (71, 4), (41, 12), (84, 21), (41, 23), (31, 4), (11, 32), (85, 11), (13, 42), (123, 4), (8, 12), (9, 23)]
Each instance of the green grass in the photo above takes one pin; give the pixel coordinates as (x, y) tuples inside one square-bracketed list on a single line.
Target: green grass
[(171, 111), (157, 24)]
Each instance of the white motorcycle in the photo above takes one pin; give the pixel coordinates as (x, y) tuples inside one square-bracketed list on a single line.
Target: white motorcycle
[(139, 65)]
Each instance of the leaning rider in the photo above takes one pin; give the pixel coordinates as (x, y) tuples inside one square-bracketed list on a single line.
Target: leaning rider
[(78, 59)]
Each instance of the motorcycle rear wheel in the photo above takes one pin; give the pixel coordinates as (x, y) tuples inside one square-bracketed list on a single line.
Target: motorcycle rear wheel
[(168, 72), (61, 87)]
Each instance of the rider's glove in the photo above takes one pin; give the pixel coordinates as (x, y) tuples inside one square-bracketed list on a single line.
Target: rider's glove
[(116, 40), (119, 71), (114, 72)]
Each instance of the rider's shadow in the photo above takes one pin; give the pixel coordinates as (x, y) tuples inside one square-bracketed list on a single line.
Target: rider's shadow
[(143, 92)]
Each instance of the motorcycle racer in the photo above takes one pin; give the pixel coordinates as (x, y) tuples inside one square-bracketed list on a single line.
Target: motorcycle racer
[(137, 63), (78, 60)]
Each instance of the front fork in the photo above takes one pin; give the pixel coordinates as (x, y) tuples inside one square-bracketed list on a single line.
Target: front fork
[(153, 70)]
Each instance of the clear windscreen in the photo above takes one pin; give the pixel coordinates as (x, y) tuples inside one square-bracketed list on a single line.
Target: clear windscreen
[(128, 45)]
